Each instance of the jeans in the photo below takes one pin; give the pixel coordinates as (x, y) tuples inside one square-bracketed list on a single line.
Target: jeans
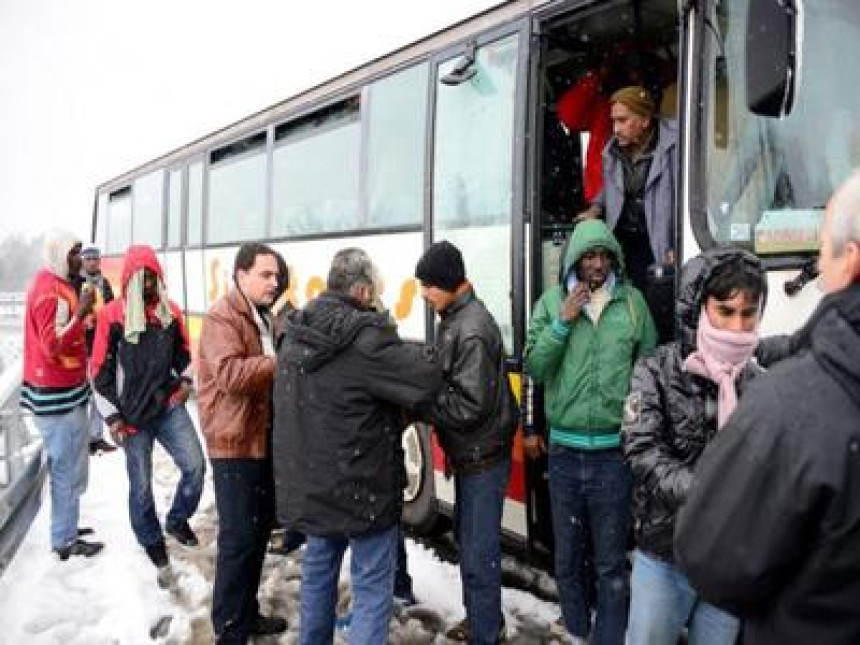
[(591, 488), (478, 527), (245, 498), (176, 434), (66, 444), (663, 602), (372, 571), (95, 423)]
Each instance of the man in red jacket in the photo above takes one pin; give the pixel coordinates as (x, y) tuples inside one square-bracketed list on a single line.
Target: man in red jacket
[(55, 387)]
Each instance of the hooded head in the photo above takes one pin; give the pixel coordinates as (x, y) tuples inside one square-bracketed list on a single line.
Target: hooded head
[(138, 257), (58, 245), (138, 291), (590, 235), (699, 274)]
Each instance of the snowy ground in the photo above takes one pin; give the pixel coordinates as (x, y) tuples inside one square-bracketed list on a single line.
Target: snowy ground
[(114, 598)]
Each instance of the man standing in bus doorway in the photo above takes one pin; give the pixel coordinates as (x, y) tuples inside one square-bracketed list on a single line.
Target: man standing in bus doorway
[(91, 278), (236, 369), (55, 388), (638, 197), (475, 417), (679, 400), (344, 378), (141, 370), (770, 529), (584, 336)]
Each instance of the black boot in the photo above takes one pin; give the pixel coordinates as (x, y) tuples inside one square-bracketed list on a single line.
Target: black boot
[(80, 547), (264, 625)]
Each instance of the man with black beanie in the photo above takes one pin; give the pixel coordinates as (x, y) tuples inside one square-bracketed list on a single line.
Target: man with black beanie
[(475, 416)]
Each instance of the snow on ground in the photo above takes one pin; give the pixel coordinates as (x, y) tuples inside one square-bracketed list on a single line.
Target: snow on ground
[(115, 599)]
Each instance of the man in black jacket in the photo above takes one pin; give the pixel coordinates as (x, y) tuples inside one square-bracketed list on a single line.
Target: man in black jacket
[(679, 398), (771, 526), (475, 416), (343, 380)]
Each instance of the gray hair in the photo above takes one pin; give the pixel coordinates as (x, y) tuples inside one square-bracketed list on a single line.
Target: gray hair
[(350, 268), (845, 217)]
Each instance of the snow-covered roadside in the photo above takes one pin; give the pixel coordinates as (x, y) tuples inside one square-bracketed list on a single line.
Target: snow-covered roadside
[(114, 598)]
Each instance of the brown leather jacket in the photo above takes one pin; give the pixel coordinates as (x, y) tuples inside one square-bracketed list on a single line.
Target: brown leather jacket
[(235, 381)]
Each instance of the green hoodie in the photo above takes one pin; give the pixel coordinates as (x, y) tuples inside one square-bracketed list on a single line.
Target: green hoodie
[(586, 368)]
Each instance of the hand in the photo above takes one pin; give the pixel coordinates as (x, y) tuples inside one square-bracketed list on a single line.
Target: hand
[(86, 301), (575, 301), (118, 432), (534, 446), (180, 395), (592, 212)]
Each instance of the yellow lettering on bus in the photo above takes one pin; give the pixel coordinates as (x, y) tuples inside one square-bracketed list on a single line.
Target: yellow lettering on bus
[(403, 306), (316, 285)]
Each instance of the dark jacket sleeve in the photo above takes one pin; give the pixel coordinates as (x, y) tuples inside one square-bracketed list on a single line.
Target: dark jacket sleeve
[(466, 399), (107, 291), (644, 440), (743, 523)]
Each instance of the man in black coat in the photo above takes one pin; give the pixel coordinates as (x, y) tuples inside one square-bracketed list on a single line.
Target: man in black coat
[(475, 416), (343, 380), (771, 526)]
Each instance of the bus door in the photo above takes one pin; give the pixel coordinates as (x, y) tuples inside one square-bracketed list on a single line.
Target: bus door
[(580, 55)]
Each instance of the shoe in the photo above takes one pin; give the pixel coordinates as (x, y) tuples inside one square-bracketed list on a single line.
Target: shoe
[(158, 554), (84, 531), (265, 625), (183, 534), (100, 445), (79, 547), (404, 598), (461, 632)]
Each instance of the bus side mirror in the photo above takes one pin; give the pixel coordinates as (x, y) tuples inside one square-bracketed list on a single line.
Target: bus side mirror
[(772, 55)]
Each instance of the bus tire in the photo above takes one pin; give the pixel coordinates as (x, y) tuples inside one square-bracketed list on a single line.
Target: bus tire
[(419, 494)]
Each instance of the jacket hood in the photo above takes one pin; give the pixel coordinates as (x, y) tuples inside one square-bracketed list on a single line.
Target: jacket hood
[(326, 326), (694, 275), (58, 243), (836, 339), (591, 234), (139, 256)]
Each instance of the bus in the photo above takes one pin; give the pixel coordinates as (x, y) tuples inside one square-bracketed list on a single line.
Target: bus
[(457, 136)]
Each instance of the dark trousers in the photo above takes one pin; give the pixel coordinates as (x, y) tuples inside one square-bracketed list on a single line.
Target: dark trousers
[(244, 496)]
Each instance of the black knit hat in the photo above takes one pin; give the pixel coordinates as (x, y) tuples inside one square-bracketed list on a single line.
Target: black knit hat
[(441, 266)]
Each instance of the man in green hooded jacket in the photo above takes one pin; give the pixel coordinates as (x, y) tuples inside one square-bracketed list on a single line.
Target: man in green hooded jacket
[(584, 337)]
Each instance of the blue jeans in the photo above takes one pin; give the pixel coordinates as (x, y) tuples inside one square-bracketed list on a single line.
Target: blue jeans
[(590, 490), (372, 571), (66, 444), (95, 422), (663, 602), (245, 497), (478, 527), (176, 434)]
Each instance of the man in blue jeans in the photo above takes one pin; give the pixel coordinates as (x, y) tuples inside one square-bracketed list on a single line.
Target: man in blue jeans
[(475, 416), (584, 336), (343, 380), (141, 369)]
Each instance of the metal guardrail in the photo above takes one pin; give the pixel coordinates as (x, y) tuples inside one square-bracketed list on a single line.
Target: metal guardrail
[(22, 467)]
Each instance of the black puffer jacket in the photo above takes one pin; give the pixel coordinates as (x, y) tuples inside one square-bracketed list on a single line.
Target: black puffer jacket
[(772, 528), (343, 378), (671, 414), (475, 413)]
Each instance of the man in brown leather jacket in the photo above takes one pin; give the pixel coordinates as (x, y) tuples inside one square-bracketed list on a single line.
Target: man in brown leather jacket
[(236, 369)]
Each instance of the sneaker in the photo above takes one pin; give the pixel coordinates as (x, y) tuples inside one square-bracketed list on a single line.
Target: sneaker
[(265, 625), (183, 534), (100, 445), (79, 547), (158, 554)]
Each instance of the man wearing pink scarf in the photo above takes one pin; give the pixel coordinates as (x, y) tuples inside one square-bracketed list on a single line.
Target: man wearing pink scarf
[(680, 397)]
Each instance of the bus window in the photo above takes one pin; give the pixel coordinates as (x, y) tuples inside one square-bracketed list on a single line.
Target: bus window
[(237, 191), (315, 168), (395, 124), (194, 230), (101, 221), (472, 179), (147, 213), (768, 179), (174, 209), (119, 221)]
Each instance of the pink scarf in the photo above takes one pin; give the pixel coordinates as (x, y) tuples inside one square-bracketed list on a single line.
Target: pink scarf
[(720, 356)]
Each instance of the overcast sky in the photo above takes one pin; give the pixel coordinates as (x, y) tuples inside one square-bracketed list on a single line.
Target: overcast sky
[(92, 88)]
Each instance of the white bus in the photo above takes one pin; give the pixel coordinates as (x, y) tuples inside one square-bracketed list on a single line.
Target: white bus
[(457, 136)]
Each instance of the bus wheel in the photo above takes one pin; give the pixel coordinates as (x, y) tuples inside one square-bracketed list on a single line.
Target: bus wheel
[(419, 499)]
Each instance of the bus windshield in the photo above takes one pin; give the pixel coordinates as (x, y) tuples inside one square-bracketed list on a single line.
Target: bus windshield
[(766, 181)]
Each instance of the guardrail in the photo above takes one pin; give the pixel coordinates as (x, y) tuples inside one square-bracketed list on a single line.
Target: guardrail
[(22, 467)]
